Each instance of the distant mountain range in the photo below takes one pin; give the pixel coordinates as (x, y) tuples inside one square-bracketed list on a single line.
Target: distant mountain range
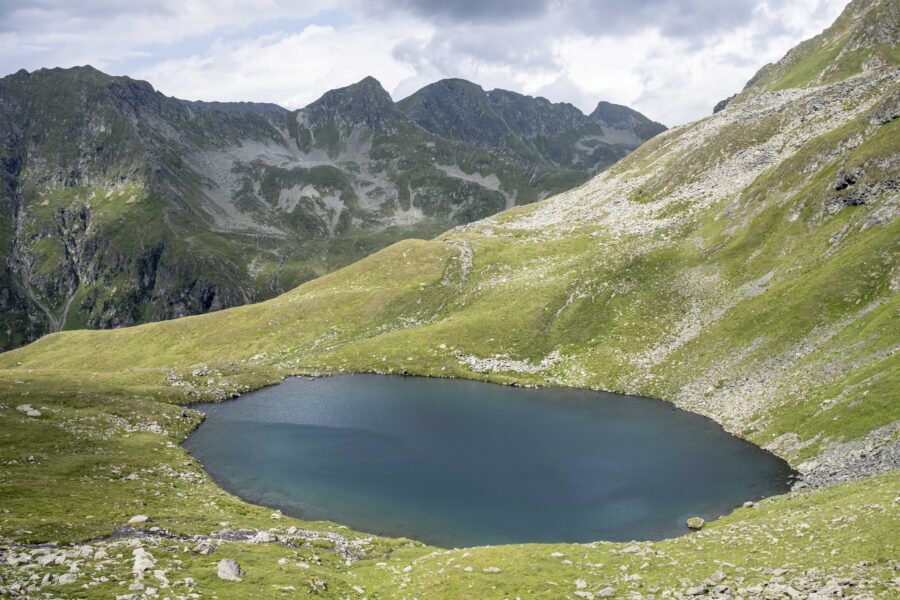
[(121, 205)]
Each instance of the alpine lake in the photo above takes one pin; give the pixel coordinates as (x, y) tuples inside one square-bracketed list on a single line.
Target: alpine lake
[(458, 463)]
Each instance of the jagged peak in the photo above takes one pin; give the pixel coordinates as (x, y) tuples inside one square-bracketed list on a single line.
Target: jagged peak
[(367, 86), (78, 75), (618, 116), (365, 102), (497, 94), (441, 90), (458, 109)]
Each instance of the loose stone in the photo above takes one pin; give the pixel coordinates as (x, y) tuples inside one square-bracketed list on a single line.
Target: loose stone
[(695, 523), (229, 570)]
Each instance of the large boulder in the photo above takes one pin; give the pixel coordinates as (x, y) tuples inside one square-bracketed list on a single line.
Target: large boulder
[(229, 570)]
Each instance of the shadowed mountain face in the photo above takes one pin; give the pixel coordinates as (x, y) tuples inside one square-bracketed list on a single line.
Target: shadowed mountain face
[(121, 205), (533, 129)]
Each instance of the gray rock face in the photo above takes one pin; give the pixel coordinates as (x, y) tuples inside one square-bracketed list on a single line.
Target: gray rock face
[(621, 117), (229, 570), (721, 104), (878, 452)]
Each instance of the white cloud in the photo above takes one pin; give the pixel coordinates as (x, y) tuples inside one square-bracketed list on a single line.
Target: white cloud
[(106, 32), (288, 69), (670, 78)]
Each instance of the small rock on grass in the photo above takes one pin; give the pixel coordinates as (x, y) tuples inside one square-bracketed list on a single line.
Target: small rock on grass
[(695, 523), (143, 561), (491, 570), (229, 570), (204, 547), (697, 590), (606, 592), (138, 520), (28, 410), (262, 537)]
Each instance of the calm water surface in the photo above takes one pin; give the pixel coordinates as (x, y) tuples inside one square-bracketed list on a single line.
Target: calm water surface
[(461, 463)]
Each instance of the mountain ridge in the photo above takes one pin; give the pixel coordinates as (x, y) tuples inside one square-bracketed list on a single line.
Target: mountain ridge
[(263, 197)]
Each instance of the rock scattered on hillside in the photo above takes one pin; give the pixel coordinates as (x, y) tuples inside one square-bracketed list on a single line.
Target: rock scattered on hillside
[(229, 570)]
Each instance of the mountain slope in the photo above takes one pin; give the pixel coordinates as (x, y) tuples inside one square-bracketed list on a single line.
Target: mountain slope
[(863, 38), (737, 265), (744, 266), (122, 205)]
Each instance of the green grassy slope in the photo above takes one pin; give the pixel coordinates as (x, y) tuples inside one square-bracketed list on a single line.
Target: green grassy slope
[(864, 36), (765, 285)]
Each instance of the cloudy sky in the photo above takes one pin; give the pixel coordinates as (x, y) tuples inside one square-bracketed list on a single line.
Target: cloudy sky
[(671, 59)]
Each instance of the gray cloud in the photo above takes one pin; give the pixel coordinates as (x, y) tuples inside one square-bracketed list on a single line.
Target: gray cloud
[(461, 11), (682, 18), (15, 14), (520, 46)]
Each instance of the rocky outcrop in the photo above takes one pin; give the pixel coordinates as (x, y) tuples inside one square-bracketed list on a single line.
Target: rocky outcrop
[(721, 104)]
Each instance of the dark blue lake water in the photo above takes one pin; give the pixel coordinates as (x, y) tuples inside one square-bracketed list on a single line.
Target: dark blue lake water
[(461, 463)]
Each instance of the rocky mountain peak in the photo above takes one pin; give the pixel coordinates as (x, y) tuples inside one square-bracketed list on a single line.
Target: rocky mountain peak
[(617, 116), (458, 109), (365, 102)]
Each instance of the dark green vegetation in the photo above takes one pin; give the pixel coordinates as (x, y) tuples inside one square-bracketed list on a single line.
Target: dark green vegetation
[(744, 266), (119, 205)]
